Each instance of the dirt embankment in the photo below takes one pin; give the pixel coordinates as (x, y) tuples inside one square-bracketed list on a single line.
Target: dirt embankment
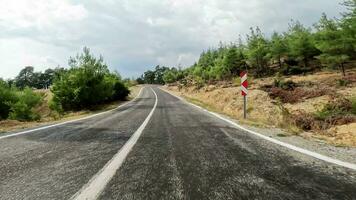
[(270, 106), (48, 116)]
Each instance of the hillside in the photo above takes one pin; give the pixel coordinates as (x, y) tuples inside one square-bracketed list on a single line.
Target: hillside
[(294, 103)]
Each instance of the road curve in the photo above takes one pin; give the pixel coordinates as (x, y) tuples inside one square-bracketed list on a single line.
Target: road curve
[(183, 153)]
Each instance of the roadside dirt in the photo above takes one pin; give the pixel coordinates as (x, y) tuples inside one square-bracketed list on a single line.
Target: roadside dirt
[(264, 111)]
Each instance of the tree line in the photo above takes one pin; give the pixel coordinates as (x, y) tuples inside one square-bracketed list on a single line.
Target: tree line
[(87, 83), (330, 43)]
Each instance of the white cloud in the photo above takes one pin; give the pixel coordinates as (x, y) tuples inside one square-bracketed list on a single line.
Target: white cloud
[(136, 35), (41, 14)]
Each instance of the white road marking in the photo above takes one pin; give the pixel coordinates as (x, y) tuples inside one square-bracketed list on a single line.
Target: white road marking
[(68, 122), (289, 146), (97, 184)]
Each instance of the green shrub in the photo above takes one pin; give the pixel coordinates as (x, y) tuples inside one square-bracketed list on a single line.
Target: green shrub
[(279, 82), (343, 82), (336, 108), (7, 97), (292, 70), (22, 110), (120, 91), (353, 105), (55, 106)]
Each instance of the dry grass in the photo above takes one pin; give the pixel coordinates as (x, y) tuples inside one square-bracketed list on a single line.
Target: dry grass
[(344, 135), (261, 110)]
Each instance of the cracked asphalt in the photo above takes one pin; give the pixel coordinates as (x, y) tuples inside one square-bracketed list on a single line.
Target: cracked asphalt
[(183, 153)]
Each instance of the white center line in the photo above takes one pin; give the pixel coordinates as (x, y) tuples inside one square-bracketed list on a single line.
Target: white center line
[(97, 184)]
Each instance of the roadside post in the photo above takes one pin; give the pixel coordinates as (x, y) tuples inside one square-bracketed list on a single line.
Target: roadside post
[(244, 85)]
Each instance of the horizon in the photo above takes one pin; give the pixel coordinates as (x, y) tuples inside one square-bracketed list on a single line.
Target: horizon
[(133, 37)]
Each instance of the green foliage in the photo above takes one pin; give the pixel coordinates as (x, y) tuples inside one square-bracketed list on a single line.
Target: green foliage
[(26, 77), (29, 78), (348, 23), (18, 104), (278, 48), (120, 91), (332, 41), (343, 82), (233, 62), (257, 52), (300, 43), (339, 107), (169, 76), (353, 105), (279, 82), (23, 109), (87, 83), (8, 96), (55, 106)]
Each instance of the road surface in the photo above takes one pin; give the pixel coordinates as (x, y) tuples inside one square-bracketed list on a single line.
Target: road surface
[(181, 153)]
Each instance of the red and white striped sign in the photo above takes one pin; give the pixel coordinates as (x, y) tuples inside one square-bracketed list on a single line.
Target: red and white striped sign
[(244, 83)]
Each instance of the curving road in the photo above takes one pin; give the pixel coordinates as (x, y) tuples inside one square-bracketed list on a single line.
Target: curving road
[(176, 151)]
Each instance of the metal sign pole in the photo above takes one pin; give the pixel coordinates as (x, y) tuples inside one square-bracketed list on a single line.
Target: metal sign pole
[(245, 111)]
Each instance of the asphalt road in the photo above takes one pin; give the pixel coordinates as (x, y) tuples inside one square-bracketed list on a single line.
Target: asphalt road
[(182, 153)]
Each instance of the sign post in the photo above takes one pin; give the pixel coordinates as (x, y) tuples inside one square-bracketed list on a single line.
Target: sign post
[(244, 85)]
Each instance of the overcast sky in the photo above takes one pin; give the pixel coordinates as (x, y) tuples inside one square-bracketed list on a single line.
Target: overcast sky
[(135, 35)]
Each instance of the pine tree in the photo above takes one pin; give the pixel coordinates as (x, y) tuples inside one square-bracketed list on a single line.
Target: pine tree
[(257, 51), (300, 43), (278, 48), (332, 41)]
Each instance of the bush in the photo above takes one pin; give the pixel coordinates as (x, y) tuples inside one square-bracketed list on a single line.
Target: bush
[(343, 82), (55, 106), (120, 91), (7, 97), (22, 110), (335, 108), (353, 105)]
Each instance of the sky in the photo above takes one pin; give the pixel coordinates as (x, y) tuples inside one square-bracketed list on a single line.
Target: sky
[(136, 35)]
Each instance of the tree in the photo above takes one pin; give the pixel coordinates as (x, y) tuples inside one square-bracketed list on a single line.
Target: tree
[(278, 48), (348, 24), (88, 82), (300, 43), (159, 72), (149, 77), (25, 78), (47, 78), (257, 51), (333, 43), (234, 61)]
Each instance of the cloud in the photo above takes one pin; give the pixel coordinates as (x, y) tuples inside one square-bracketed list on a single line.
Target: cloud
[(136, 35)]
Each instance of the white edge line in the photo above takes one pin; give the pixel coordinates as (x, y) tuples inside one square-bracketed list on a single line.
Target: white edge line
[(68, 122), (289, 146), (98, 182)]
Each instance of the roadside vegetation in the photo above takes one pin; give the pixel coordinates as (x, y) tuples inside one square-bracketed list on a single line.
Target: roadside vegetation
[(303, 79), (85, 87)]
